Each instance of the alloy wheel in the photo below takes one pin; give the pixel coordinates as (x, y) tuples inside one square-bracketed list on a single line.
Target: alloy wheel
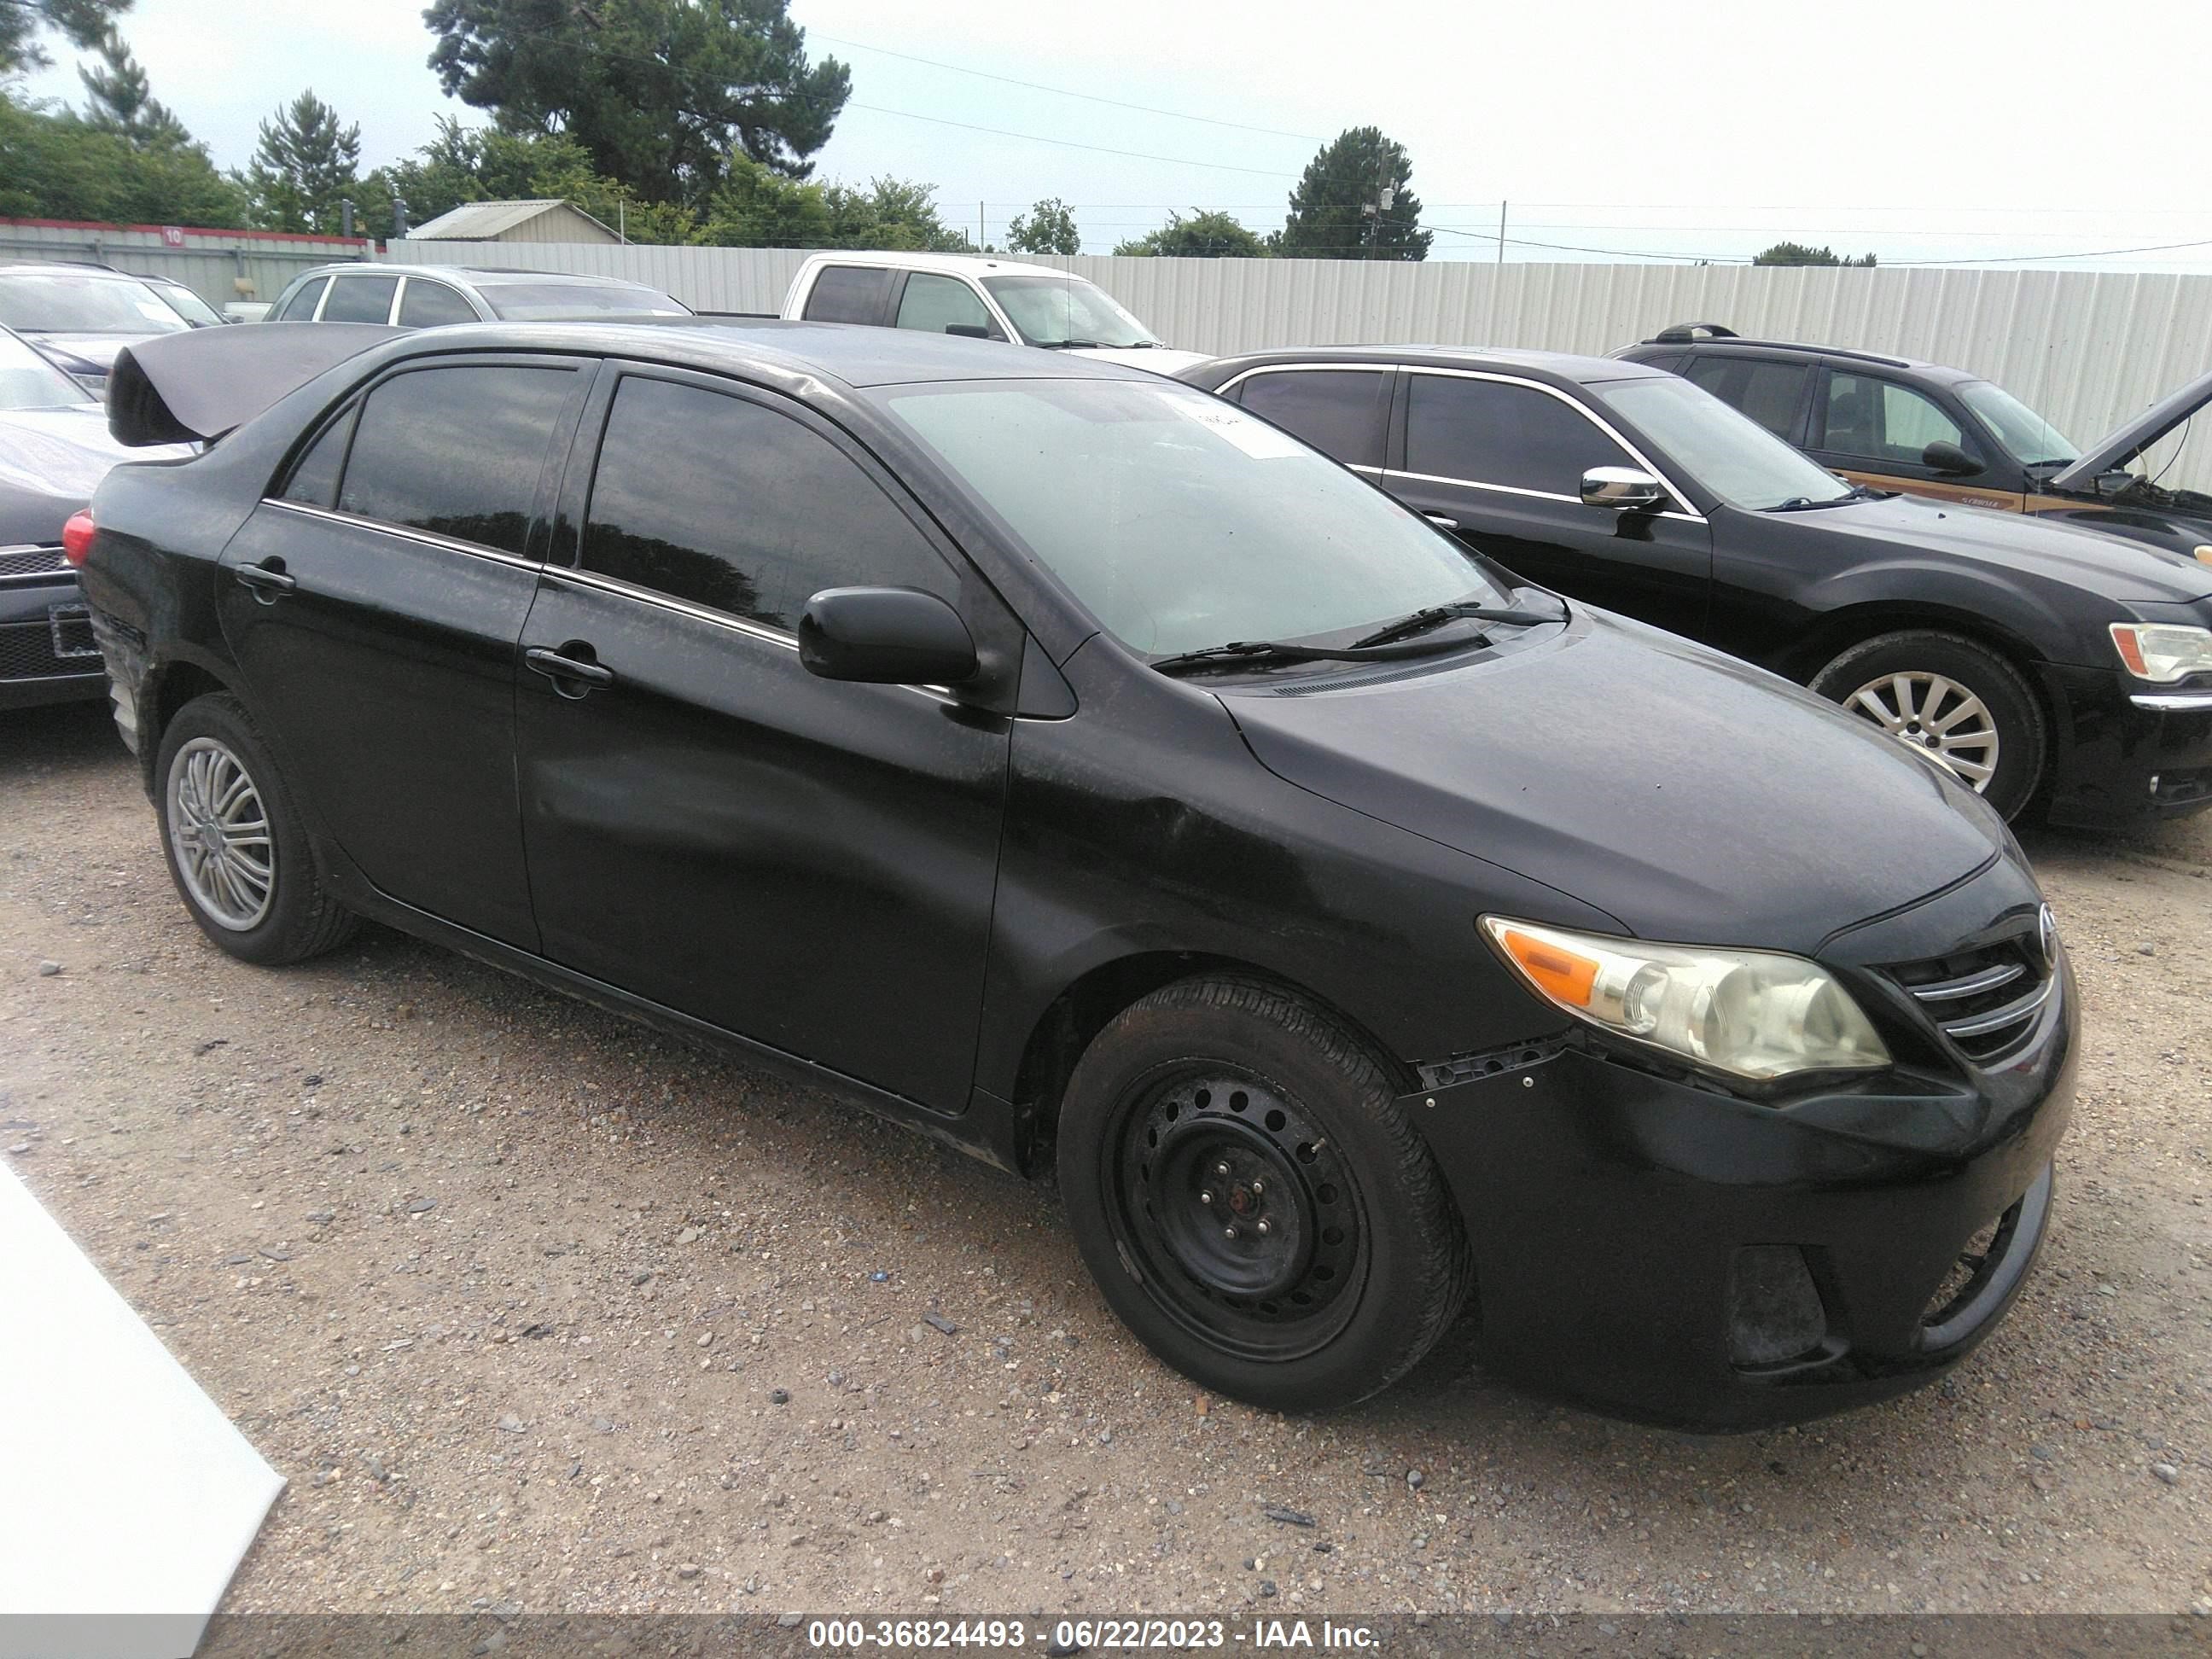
[(1937, 716), (1239, 1215), (219, 835)]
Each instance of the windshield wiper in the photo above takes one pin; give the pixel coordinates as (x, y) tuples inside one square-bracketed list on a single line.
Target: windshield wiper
[(1436, 615), (1806, 504), (1076, 345)]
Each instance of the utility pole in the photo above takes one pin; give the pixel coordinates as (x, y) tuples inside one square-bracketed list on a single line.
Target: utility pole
[(979, 227), (1501, 233), (345, 218)]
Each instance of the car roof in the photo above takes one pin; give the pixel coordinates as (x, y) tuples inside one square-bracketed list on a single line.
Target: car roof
[(855, 354), (1727, 344), (478, 275), (68, 268), (1566, 367), (958, 265)]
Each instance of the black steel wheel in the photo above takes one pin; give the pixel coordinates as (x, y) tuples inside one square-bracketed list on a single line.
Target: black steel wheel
[(1252, 1201)]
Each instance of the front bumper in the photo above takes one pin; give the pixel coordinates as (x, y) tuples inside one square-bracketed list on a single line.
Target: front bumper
[(2123, 749), (1624, 1224)]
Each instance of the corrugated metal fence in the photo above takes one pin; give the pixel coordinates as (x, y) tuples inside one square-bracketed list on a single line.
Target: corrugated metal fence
[(213, 264), (2088, 349)]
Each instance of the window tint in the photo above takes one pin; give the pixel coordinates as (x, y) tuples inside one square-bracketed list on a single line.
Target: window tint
[(934, 304), (847, 294), (1882, 421), (456, 451), (1339, 411), (314, 481), (1769, 393), (360, 299), (726, 504), (426, 305), (301, 306), (1490, 432)]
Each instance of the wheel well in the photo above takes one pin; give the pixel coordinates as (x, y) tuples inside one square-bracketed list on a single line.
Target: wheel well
[(1837, 633), (1079, 1012), (178, 683)]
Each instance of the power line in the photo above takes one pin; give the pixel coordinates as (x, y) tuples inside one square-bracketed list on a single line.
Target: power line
[(1063, 92)]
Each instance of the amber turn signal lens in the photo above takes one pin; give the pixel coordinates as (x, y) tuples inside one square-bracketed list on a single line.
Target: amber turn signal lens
[(1561, 974)]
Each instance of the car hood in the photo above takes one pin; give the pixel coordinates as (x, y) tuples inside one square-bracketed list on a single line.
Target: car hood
[(92, 353), (1695, 797), (1161, 360), (2130, 572), (50, 461), (2130, 438)]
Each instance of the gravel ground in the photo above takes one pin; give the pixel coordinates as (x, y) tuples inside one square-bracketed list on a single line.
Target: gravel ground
[(533, 1308)]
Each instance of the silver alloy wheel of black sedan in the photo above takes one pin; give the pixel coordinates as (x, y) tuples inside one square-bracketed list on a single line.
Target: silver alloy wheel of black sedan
[(1937, 715), (225, 854)]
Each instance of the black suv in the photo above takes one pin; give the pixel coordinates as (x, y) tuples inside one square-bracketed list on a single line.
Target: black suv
[(2037, 660), (1898, 423)]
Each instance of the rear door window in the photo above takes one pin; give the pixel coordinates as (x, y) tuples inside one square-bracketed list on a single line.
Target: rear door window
[(1497, 432), (848, 293), (457, 451), (427, 304), (301, 306), (1339, 412), (360, 299), (314, 480), (729, 504), (937, 305), (1880, 420), (1771, 393)]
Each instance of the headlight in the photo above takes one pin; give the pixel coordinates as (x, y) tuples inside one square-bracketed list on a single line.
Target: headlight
[(1755, 1014), (2163, 652)]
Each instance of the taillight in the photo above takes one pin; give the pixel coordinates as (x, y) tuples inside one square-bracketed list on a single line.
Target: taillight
[(76, 536)]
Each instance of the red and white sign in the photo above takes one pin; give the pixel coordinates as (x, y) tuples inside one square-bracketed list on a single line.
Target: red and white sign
[(173, 235)]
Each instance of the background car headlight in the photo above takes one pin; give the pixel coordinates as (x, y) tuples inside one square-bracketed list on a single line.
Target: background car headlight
[(1755, 1014), (2163, 652)]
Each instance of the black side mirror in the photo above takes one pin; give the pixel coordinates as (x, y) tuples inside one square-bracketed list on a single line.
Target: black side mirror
[(1949, 460), (884, 636), (968, 331)]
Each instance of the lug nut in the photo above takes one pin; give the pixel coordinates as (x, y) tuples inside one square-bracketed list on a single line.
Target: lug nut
[(1206, 1195), (1229, 1232), (1255, 1189), (1262, 1229), (1221, 1168)]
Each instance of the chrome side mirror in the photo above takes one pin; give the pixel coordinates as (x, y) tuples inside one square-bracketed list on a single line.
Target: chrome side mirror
[(1623, 489)]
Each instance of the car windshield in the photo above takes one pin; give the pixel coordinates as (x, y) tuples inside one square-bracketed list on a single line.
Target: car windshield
[(522, 302), (68, 304), (2019, 428), (1181, 521), (1058, 311), (187, 305), (29, 382), (1726, 452)]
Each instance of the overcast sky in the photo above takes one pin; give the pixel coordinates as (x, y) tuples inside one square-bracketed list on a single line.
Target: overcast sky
[(1917, 131)]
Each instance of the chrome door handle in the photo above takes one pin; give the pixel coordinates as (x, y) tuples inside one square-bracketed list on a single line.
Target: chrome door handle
[(1441, 522), (266, 580), (572, 677)]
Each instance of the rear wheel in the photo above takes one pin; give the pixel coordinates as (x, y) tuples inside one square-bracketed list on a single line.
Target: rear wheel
[(236, 849), (1251, 1201), (1951, 700)]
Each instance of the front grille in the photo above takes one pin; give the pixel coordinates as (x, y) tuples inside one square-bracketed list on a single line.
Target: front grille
[(31, 561), (28, 650), (1963, 1281), (1984, 1000)]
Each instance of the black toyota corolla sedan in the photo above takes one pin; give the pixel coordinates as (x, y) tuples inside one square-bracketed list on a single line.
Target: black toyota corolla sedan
[(2052, 668), (1070, 765)]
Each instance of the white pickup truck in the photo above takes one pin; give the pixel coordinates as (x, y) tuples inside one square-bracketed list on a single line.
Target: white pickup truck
[(986, 298)]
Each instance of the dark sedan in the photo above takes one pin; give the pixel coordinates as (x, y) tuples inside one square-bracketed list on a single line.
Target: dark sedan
[(1071, 766), (54, 449), (2047, 665)]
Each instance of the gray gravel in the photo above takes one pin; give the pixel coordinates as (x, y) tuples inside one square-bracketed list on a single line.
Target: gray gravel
[(535, 1309)]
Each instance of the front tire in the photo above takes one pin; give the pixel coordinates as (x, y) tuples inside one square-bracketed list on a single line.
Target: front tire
[(1955, 701), (1251, 1201), (236, 849)]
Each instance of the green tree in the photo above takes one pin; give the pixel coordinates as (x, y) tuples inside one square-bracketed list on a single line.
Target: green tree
[(1206, 234), (119, 100), (59, 167), (307, 161), (1802, 253), (659, 93), (754, 207), (1335, 211), (1049, 228), (895, 214), (479, 164), (80, 22)]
